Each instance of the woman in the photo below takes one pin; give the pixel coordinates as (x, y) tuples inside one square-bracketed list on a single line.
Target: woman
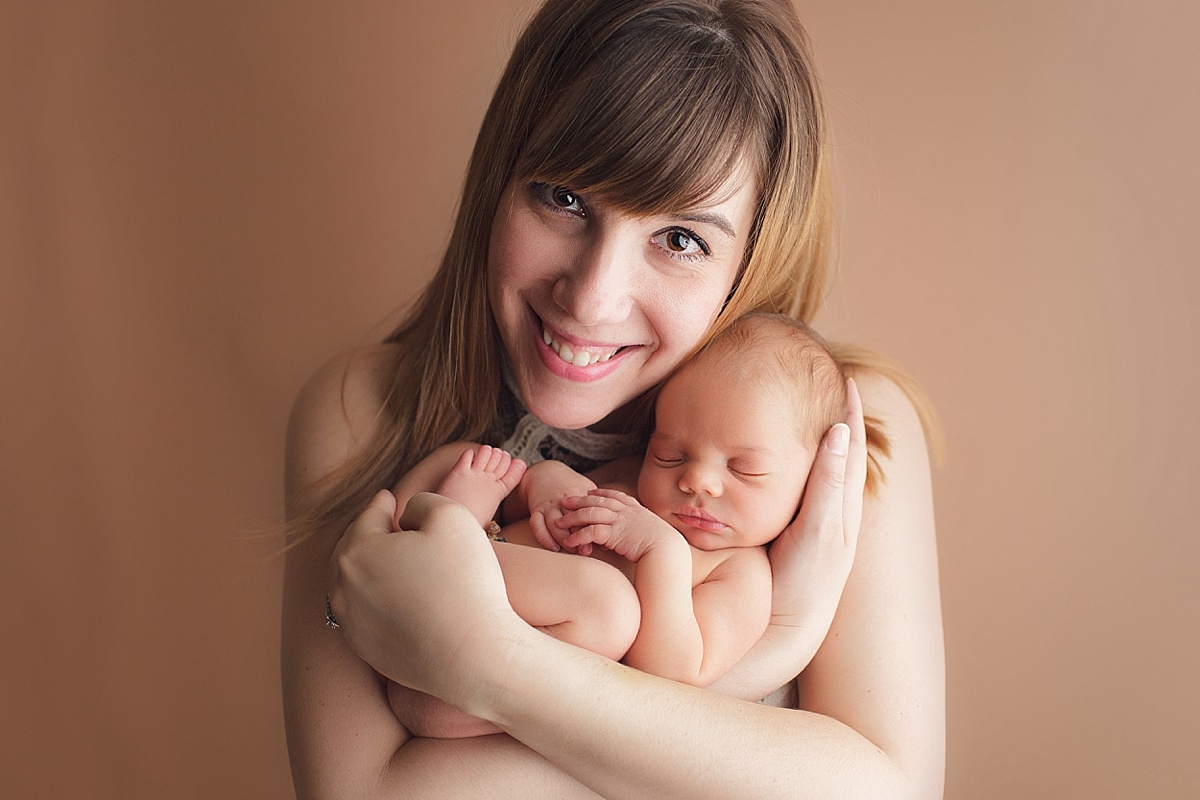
[(646, 173)]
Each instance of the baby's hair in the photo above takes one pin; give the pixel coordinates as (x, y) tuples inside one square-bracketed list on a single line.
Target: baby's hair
[(776, 350)]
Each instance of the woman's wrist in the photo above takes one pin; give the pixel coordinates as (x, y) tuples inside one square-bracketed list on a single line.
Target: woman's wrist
[(484, 682), (530, 673)]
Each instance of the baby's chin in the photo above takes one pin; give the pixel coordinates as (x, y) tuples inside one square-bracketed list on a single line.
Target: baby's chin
[(731, 537)]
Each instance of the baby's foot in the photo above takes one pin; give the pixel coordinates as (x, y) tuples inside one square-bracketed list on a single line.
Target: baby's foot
[(481, 478), (425, 715)]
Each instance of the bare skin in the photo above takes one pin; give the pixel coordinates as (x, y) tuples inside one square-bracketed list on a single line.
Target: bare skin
[(481, 479), (583, 602), (872, 718)]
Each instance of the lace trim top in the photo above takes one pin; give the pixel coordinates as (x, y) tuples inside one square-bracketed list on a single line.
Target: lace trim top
[(530, 439)]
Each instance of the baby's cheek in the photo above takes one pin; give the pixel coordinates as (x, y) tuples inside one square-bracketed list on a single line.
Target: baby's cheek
[(654, 489)]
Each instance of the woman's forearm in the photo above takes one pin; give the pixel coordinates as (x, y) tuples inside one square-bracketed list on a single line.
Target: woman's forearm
[(497, 767), (626, 734), (780, 654)]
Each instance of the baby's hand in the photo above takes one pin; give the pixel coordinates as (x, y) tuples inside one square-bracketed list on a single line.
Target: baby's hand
[(613, 520), (544, 487), (544, 522)]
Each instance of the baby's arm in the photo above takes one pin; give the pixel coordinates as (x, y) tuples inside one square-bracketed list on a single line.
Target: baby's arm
[(691, 635), (732, 607)]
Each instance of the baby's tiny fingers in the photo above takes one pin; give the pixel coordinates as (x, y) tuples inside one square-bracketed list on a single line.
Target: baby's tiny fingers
[(613, 504), (586, 536), (590, 515), (576, 501), (614, 494), (537, 523)]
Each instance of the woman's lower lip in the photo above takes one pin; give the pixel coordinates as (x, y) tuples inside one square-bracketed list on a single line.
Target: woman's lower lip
[(571, 372)]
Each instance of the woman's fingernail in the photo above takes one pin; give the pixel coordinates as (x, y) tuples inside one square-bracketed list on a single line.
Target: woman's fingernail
[(838, 440)]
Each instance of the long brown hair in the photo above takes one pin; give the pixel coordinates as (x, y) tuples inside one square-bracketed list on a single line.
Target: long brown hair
[(649, 105)]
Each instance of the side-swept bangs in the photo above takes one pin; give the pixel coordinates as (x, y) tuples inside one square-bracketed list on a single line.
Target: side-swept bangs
[(653, 115)]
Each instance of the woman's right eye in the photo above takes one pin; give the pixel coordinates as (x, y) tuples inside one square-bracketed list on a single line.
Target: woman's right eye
[(559, 198)]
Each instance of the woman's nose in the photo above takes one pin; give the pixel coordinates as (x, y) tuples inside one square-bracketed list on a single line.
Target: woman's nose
[(700, 479), (595, 288)]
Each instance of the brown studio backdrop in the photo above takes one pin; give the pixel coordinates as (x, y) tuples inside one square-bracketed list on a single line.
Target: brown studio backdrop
[(201, 201)]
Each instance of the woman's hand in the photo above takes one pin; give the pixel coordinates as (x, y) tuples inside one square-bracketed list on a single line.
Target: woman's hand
[(425, 605), (811, 559)]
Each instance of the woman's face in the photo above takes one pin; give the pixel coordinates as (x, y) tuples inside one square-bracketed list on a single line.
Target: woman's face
[(594, 305)]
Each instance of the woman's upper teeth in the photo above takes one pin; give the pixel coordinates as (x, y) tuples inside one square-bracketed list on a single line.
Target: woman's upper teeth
[(577, 358)]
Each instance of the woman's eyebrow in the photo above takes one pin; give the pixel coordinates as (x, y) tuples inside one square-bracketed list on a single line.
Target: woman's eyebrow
[(718, 221)]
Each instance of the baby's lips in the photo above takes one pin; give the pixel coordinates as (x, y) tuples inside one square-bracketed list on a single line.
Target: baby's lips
[(700, 520)]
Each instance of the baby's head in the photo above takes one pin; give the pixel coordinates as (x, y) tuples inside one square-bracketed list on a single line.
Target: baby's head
[(736, 430)]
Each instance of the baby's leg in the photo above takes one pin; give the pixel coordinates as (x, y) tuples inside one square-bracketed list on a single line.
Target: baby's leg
[(578, 600), (481, 478), (575, 599)]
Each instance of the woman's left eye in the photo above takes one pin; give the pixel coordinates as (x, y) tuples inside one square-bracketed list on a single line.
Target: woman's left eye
[(565, 199), (561, 199), (683, 243)]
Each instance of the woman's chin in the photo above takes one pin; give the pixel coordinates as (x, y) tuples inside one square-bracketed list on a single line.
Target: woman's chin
[(567, 418)]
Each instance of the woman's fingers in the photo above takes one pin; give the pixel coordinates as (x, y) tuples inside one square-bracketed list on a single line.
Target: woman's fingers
[(833, 496), (814, 554), (427, 508), (856, 463), (429, 594), (377, 519), (379, 513)]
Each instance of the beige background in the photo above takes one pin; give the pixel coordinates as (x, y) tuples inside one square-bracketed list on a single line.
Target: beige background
[(200, 201)]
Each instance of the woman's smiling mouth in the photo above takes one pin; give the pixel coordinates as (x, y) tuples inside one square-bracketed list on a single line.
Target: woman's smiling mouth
[(577, 356), (575, 360)]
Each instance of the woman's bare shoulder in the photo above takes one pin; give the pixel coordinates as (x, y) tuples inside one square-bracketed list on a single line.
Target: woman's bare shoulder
[(886, 644), (885, 398), (900, 404), (336, 412)]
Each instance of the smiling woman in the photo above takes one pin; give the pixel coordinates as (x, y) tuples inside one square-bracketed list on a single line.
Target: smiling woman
[(583, 289), (648, 172), (199, 199)]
